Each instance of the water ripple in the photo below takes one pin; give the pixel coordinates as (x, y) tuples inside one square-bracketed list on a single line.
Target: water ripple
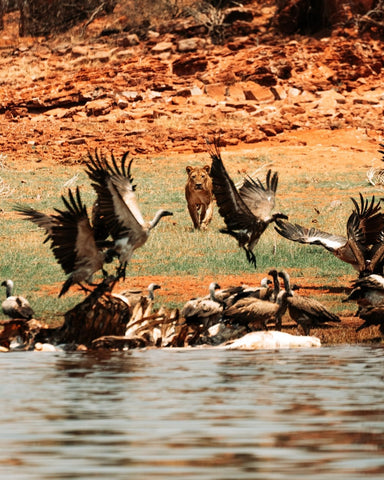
[(197, 414)]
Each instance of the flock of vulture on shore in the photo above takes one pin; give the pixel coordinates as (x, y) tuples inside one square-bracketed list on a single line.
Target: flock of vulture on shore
[(83, 246)]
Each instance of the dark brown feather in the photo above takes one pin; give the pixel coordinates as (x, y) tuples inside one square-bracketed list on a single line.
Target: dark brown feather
[(247, 212), (306, 312), (363, 247)]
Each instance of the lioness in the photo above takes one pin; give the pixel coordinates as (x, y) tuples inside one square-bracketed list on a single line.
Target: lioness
[(198, 193)]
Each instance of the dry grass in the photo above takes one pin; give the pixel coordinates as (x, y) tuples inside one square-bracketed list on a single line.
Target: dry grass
[(184, 261)]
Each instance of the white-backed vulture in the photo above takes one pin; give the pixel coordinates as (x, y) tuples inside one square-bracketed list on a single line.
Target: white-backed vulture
[(228, 296), (225, 296), (306, 312), (272, 297), (117, 208), (133, 293), (263, 292), (367, 291), (206, 311), (372, 315), (72, 240), (256, 313), (134, 296), (363, 247), (247, 212), (15, 306)]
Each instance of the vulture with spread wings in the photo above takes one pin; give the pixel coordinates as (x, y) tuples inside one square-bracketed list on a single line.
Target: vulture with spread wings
[(72, 240), (247, 212), (363, 247), (116, 210)]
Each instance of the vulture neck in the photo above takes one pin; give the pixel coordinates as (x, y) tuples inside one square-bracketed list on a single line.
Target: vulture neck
[(287, 284), (159, 214), (151, 290), (212, 290), (276, 284), (8, 288)]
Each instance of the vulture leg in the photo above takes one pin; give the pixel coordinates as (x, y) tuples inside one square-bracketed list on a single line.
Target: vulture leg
[(250, 256), (121, 270)]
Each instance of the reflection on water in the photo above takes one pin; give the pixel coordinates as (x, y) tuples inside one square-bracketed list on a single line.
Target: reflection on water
[(201, 414)]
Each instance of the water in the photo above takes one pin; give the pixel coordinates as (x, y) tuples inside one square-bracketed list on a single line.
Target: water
[(201, 414)]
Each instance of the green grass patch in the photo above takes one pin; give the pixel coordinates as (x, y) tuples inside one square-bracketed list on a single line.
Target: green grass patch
[(174, 248)]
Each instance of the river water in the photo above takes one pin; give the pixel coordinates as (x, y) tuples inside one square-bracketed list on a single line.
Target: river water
[(203, 414)]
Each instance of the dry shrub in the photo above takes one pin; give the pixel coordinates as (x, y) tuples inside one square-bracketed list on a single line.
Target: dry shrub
[(144, 14), (41, 18)]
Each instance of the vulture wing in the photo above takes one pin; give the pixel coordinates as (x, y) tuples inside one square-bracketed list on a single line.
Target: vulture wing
[(369, 220), (259, 198), (377, 258), (356, 240), (232, 207), (300, 234), (365, 227), (117, 204), (311, 308), (41, 219), (381, 151), (73, 242)]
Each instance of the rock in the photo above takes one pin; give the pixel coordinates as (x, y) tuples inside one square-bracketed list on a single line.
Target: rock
[(217, 91), (121, 101), (236, 92), (329, 102), (279, 92), (80, 51), (129, 41), (189, 65), (152, 35), (77, 141), (132, 96), (235, 14), (162, 47), (124, 53), (253, 91), (190, 44), (102, 56), (99, 107)]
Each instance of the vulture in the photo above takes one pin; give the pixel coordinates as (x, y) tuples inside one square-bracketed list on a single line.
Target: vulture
[(72, 240), (258, 311), (134, 296), (306, 312), (266, 290), (262, 291), (255, 313), (367, 291), (137, 293), (15, 306), (116, 211), (203, 310), (363, 247), (228, 296), (225, 296), (272, 297), (372, 315), (246, 211)]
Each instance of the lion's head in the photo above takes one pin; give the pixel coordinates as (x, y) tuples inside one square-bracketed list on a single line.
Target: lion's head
[(198, 178)]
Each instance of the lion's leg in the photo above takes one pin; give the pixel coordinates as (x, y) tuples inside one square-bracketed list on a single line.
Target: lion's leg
[(206, 215), (193, 212)]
